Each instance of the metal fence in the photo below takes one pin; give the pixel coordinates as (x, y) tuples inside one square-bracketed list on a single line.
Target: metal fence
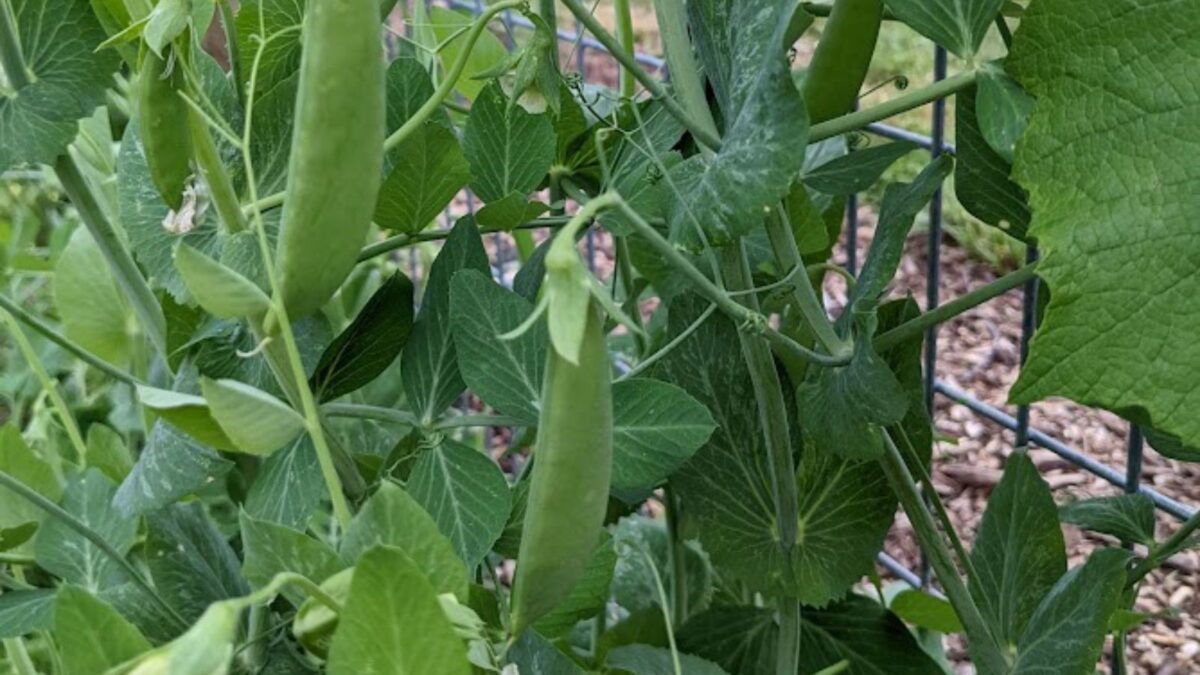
[(1127, 478)]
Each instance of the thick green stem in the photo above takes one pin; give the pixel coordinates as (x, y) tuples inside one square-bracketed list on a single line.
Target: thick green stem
[(989, 658), (18, 655), (220, 185), (45, 330), (54, 510), (403, 240), (804, 295), (920, 324), (1176, 543), (119, 260), (645, 79), (908, 101), (11, 58), (49, 385), (685, 76), (549, 13), (677, 551), (625, 35)]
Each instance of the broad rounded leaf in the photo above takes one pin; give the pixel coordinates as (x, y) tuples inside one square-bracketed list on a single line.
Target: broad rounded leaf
[(957, 25), (220, 290), (255, 421), (188, 412), (94, 312), (656, 428), (92, 636)]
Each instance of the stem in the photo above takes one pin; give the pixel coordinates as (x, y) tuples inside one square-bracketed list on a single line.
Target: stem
[(549, 14), (402, 240), (461, 421), (48, 384), (231, 44), (370, 412), (645, 79), (773, 416), (1177, 542), (804, 297), (952, 309), (985, 650), (18, 655), (298, 382), (11, 58), (17, 559), (625, 35), (678, 555), (685, 76), (824, 9), (254, 658), (45, 330), (939, 508), (35, 498), (115, 253), (903, 103), (220, 186), (446, 86), (650, 360)]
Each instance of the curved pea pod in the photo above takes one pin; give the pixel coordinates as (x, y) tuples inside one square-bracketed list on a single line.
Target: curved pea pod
[(337, 152), (568, 493), (315, 623), (842, 58), (163, 126)]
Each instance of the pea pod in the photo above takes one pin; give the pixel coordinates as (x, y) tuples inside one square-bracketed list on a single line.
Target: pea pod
[(568, 492), (842, 58), (337, 152), (163, 125)]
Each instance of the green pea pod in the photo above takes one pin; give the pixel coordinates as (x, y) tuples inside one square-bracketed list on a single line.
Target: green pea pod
[(163, 123), (568, 493), (337, 152), (843, 56)]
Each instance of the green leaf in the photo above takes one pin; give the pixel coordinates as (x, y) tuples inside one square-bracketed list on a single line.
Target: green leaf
[(108, 452), (846, 507), (408, 87), (647, 660), (535, 655), (1129, 518), (269, 549), (393, 623), (857, 171), (167, 21), (255, 421), (221, 291), (509, 150), (428, 171), (505, 373), (487, 52), (981, 176), (633, 584), (1118, 329), (957, 25), (589, 595), (288, 487), (94, 312), (188, 412), (392, 518), (765, 126), (656, 428), (258, 20), (1002, 108), (925, 611), (59, 38), (1019, 553), (71, 556), (369, 344), (429, 364), (507, 213), (1066, 633), (22, 612), (171, 466), (190, 562), (467, 495), (18, 461), (92, 636), (1170, 446)]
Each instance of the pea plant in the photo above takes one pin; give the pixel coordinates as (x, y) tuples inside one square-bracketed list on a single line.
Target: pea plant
[(243, 436)]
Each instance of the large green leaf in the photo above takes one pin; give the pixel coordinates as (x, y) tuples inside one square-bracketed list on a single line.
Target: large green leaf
[(846, 506), (509, 149), (634, 587), (429, 170), (647, 660), (1019, 553), (505, 373), (589, 595), (220, 290), (288, 487), (171, 466), (1113, 193), (71, 556), (765, 125), (393, 623), (467, 495), (188, 412), (656, 428), (1066, 633), (450, 27), (24, 611), (190, 562), (1130, 518), (957, 25), (58, 39), (257, 20), (981, 176), (392, 518), (94, 312), (92, 636), (856, 171), (18, 461), (268, 549), (256, 422), (536, 655), (431, 377)]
